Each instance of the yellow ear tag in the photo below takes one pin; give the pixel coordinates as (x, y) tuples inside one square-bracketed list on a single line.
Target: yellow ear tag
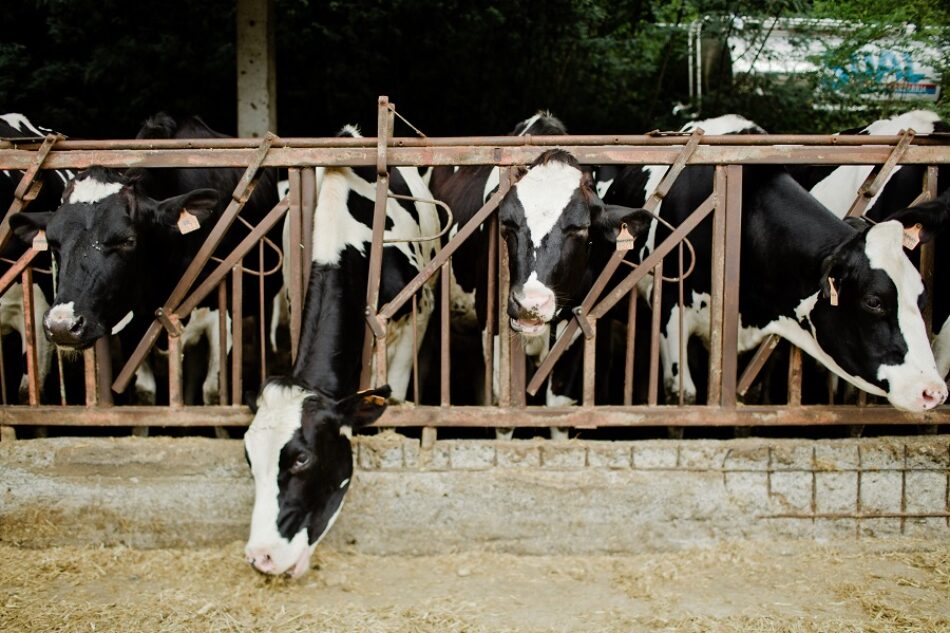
[(375, 400), (833, 292), (39, 241), (624, 238), (912, 237), (187, 222)]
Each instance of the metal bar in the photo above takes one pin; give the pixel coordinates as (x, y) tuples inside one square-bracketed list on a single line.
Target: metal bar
[(445, 350), (447, 251), (333, 142), (379, 209), (13, 273), (412, 416), (3, 376), (878, 177), (718, 280), (237, 334), (26, 192), (89, 374), (504, 323), (242, 192), (174, 372), (628, 374), (223, 342), (415, 352), (261, 329), (308, 206), (491, 295), (928, 253), (674, 171), (681, 348), (794, 376), (762, 354), (730, 299), (657, 303), (29, 333), (481, 154), (295, 290), (103, 357), (619, 291), (590, 360)]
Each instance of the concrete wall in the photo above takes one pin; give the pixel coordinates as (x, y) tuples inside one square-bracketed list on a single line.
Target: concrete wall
[(520, 496)]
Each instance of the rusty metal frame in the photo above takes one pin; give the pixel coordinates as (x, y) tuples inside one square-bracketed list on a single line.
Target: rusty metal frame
[(384, 151)]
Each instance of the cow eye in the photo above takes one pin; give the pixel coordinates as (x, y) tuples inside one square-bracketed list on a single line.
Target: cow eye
[(302, 463), (873, 304), (577, 231)]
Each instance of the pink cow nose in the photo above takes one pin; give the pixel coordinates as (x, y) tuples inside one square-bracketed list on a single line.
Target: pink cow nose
[(534, 302), (261, 561), (933, 397)]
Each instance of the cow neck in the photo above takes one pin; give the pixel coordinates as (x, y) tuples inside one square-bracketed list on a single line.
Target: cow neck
[(333, 327)]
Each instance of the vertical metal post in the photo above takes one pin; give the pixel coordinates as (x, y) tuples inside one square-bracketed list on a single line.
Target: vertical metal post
[(681, 348), (3, 377), (927, 253), (174, 371), (308, 204), (261, 329), (654, 384), (717, 280), (730, 302), (294, 264), (415, 351), (794, 376), (504, 325), (631, 343), (29, 325), (89, 373), (445, 351), (223, 342), (104, 371), (488, 341), (237, 334), (590, 356)]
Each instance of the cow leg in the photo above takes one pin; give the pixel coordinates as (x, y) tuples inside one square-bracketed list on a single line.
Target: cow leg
[(400, 350), (210, 391), (145, 386), (675, 373), (280, 316)]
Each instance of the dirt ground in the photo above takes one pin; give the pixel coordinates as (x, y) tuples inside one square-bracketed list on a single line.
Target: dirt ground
[(895, 585)]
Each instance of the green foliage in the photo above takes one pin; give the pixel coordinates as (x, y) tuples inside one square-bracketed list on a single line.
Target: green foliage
[(97, 68)]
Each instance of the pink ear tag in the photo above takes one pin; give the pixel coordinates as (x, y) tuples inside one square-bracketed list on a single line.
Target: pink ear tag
[(832, 291), (187, 222), (624, 238), (39, 241)]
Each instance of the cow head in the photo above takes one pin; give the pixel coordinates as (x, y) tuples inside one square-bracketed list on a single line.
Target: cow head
[(101, 238), (551, 220), (298, 448), (875, 336)]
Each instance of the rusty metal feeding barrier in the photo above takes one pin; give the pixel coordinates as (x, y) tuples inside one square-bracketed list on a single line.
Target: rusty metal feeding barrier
[(727, 153)]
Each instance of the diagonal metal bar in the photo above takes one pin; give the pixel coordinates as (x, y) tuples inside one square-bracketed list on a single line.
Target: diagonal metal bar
[(27, 190), (596, 311), (13, 273), (674, 171), (388, 310), (877, 178), (242, 192)]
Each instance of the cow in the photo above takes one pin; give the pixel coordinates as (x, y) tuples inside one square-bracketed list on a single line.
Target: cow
[(120, 249), (298, 445), (836, 187), (15, 125), (847, 296)]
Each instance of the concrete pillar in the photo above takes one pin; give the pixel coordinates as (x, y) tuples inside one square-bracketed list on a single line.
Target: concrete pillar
[(256, 67)]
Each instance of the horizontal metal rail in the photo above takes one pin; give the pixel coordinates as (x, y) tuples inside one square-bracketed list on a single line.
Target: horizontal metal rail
[(475, 155), (481, 416)]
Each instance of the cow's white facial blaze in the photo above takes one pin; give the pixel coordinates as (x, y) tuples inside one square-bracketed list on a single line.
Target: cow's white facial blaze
[(90, 190), (278, 417), (915, 384), (544, 192)]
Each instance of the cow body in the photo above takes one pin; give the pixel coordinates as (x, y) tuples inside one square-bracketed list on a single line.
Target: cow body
[(791, 247), (298, 444)]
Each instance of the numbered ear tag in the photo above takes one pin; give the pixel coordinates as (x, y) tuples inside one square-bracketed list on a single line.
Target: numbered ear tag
[(832, 291), (39, 241), (187, 222), (912, 237), (624, 238)]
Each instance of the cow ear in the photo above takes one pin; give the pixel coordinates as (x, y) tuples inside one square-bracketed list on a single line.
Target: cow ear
[(613, 218), (834, 271), (925, 221), (26, 225), (364, 407), (200, 203)]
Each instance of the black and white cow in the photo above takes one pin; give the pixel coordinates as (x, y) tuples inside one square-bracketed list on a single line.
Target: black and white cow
[(795, 255), (836, 188), (119, 249), (298, 445), (15, 125)]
